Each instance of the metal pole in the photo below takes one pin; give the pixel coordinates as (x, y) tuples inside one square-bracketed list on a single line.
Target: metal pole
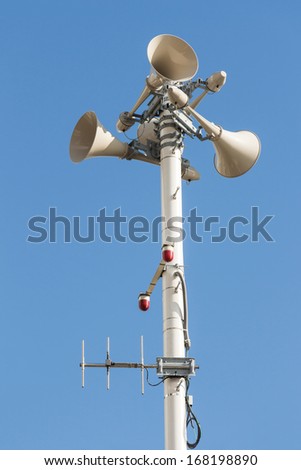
[(172, 297)]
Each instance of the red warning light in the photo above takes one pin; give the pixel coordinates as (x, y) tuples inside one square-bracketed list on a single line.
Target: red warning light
[(167, 253), (144, 302)]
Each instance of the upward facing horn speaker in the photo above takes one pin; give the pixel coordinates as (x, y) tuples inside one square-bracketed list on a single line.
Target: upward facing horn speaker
[(172, 59), (91, 139)]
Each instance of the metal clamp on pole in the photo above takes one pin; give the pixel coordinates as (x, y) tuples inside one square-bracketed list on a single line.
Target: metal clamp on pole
[(176, 367)]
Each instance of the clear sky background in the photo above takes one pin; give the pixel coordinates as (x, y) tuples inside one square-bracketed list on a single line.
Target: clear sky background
[(60, 59)]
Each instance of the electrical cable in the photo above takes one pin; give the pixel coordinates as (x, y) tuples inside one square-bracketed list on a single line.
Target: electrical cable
[(190, 420), (153, 385), (128, 137), (187, 341)]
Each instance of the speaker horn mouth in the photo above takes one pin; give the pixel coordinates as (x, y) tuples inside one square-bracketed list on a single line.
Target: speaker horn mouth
[(234, 158), (83, 137), (172, 58)]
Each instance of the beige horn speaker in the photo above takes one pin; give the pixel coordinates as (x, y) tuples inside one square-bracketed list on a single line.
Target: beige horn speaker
[(172, 60), (91, 139), (235, 152)]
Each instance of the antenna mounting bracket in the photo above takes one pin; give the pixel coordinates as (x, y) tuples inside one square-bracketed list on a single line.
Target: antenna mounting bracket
[(176, 366)]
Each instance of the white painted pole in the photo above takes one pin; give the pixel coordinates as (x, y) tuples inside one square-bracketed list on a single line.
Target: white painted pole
[(173, 336)]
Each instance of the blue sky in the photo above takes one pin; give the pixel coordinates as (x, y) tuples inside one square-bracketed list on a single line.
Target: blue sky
[(60, 59)]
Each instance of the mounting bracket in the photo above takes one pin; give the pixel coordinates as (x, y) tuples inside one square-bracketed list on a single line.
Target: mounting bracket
[(176, 367)]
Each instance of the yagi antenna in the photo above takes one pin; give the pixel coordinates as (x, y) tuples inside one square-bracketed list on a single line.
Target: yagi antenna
[(108, 364)]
